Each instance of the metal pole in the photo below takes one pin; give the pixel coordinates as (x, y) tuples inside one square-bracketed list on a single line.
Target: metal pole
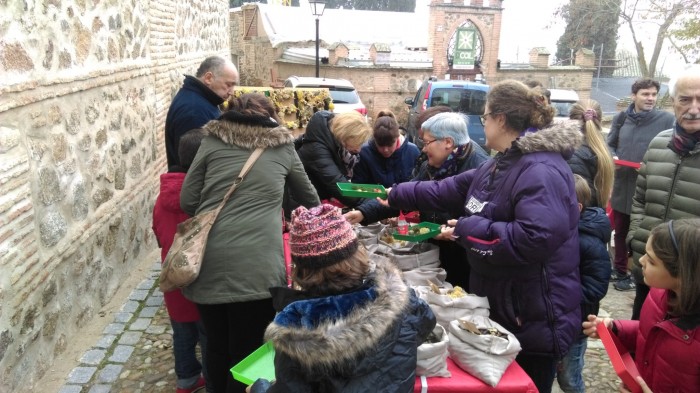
[(317, 58), (600, 64)]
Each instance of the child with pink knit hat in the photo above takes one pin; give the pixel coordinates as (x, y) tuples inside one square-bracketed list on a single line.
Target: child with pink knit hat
[(351, 324)]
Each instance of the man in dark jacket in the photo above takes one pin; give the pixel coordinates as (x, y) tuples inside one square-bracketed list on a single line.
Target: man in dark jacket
[(667, 186), (628, 140), (198, 101)]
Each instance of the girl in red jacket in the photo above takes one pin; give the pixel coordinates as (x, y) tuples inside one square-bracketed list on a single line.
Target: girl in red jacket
[(188, 329), (666, 339)]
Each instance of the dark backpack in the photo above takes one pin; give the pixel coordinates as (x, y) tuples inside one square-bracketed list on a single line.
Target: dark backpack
[(621, 120), (622, 116)]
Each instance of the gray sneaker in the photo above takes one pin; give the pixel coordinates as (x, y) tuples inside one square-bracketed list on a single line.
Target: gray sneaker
[(626, 284), (617, 276)]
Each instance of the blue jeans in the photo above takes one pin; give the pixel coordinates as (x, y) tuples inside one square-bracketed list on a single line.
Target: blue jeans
[(185, 337), (569, 372)]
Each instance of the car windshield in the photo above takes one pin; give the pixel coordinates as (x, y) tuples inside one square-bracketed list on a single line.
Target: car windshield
[(470, 102)]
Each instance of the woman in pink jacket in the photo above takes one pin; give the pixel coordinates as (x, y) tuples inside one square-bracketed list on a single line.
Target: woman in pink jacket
[(666, 339)]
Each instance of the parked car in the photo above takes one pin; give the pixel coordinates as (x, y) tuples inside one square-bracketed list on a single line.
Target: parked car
[(462, 96), (343, 93), (562, 101)]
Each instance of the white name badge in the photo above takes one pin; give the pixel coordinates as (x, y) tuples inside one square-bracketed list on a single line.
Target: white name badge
[(474, 205)]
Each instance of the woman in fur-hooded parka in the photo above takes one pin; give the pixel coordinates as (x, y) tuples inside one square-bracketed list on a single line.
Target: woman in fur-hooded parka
[(244, 255)]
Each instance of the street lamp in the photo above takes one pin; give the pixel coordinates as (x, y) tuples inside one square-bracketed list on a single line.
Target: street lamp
[(317, 8)]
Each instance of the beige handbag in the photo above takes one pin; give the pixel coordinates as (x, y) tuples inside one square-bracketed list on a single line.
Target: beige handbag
[(184, 260)]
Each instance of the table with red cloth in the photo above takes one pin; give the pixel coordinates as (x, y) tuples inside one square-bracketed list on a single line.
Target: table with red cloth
[(514, 380)]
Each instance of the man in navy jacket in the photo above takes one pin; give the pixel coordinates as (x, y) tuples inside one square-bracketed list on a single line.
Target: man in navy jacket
[(198, 101)]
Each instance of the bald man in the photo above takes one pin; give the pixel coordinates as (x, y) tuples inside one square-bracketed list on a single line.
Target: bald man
[(198, 101)]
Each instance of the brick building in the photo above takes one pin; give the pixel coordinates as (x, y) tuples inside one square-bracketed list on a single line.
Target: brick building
[(386, 55)]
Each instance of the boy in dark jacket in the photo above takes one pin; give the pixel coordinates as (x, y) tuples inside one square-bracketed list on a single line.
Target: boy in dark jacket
[(184, 317), (594, 232)]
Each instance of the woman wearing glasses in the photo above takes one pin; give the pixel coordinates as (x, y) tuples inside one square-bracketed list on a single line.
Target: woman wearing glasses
[(518, 224), (449, 151)]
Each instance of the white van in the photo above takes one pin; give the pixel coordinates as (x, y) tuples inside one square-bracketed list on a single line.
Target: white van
[(562, 100), (343, 93)]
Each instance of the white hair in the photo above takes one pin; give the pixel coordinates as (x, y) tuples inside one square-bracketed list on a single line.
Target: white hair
[(451, 125), (690, 71)]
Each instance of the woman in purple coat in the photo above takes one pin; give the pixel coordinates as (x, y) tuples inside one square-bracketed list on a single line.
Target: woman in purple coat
[(520, 224)]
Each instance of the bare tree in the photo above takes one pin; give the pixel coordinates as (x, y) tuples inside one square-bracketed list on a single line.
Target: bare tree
[(685, 39), (662, 13)]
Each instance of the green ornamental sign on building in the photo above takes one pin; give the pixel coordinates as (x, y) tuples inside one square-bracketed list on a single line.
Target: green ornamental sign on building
[(465, 49)]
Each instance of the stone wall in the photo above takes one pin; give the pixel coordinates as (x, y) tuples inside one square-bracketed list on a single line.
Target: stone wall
[(84, 89)]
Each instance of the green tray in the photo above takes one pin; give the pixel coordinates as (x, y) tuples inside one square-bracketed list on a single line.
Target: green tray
[(362, 190), (259, 364), (434, 230)]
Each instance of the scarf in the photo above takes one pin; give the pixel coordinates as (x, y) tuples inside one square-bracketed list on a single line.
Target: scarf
[(349, 159), (636, 116), (683, 143), (452, 164)]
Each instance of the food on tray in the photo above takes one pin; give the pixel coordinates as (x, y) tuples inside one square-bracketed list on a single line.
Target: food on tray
[(363, 189), (416, 230), (456, 292)]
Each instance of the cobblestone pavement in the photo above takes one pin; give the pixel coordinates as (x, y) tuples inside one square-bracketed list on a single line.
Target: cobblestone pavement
[(134, 353)]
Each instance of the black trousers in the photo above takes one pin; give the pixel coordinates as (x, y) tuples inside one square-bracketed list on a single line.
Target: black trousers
[(234, 330), (541, 369)]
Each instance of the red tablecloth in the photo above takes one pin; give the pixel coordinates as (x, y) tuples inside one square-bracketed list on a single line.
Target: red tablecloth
[(513, 381)]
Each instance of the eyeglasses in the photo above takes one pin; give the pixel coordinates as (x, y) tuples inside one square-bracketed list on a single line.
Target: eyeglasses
[(427, 143), (483, 117)]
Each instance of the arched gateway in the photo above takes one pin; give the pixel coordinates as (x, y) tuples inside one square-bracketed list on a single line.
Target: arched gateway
[(464, 37)]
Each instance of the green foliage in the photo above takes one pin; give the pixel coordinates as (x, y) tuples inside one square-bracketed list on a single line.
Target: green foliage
[(590, 24)]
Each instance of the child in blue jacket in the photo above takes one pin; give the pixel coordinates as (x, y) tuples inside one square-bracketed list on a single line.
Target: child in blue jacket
[(594, 232)]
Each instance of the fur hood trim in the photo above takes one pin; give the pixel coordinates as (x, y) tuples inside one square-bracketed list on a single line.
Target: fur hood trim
[(563, 136), (336, 344), (249, 136)]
